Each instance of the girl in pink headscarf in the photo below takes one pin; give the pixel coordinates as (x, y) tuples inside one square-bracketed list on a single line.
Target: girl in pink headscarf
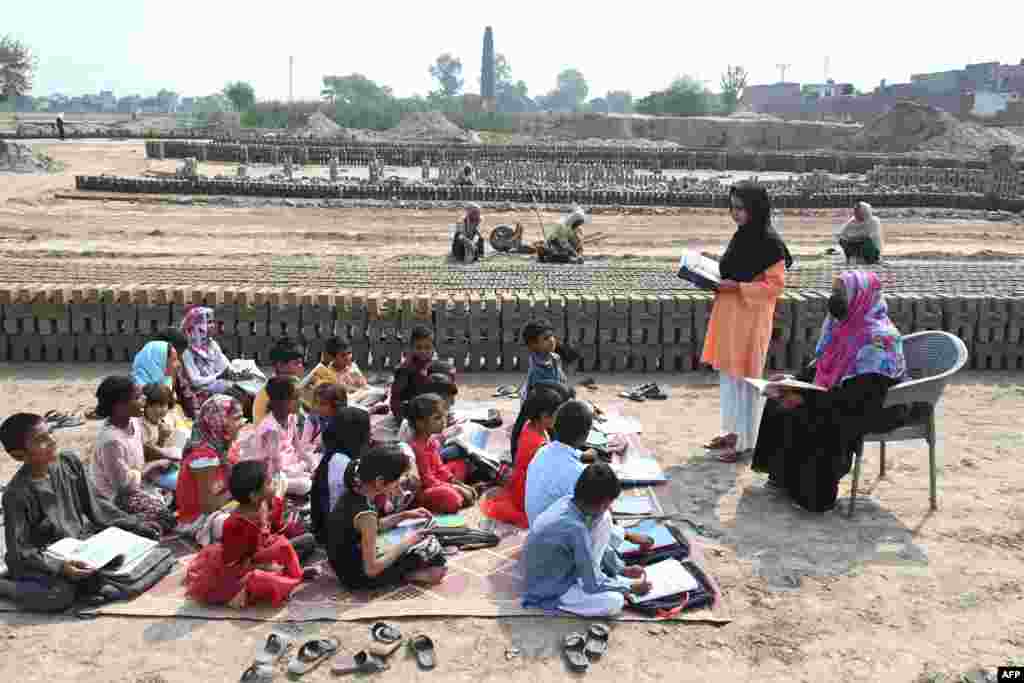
[(807, 438), (205, 363)]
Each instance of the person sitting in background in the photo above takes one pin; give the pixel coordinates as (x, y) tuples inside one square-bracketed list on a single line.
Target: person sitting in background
[(443, 488), (183, 393), (120, 469), (205, 364), (286, 357), (49, 498), (808, 438), (468, 243), (861, 237), (155, 363), (561, 560), (411, 376), (563, 241), (335, 367)]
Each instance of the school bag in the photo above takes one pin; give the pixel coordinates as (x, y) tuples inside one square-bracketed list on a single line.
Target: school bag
[(143, 575)]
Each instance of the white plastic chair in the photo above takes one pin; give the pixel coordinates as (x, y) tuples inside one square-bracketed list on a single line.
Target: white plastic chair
[(932, 358)]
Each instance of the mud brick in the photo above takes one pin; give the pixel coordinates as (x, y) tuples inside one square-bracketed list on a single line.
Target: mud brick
[(991, 350), (556, 315), (350, 309), (1015, 335), (810, 312), (285, 316), (92, 348), (391, 344), (582, 323), (645, 334), (613, 333), (782, 333), (678, 348), (252, 317), (454, 330), (703, 305), (5, 348), (27, 348), (20, 319), (120, 315), (927, 314), (901, 311), (485, 331), (152, 317), (960, 317), (86, 313), (51, 309), (318, 315), (515, 357)]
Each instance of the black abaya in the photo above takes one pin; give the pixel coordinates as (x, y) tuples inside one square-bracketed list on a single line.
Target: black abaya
[(807, 450)]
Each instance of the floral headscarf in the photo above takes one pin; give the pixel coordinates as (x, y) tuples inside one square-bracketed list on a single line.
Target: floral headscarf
[(196, 326), (866, 342), (208, 427)]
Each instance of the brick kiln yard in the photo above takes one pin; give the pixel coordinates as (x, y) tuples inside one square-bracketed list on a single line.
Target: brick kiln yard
[(896, 594)]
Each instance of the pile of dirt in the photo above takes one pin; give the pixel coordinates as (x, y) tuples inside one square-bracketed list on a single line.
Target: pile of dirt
[(915, 127), (430, 125), (319, 126), (18, 157)]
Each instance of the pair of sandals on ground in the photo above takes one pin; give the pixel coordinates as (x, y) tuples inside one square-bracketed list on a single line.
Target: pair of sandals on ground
[(580, 650), (644, 392), (724, 448), (385, 641)]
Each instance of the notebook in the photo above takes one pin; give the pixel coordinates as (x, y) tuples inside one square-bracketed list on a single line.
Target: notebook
[(700, 270), (662, 535), (633, 506), (668, 577), (639, 470), (111, 548), (762, 384)]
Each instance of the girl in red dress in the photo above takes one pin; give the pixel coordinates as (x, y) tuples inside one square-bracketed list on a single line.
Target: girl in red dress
[(254, 562)]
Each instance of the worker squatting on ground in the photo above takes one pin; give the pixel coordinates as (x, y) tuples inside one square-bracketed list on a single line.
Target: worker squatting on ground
[(563, 241), (468, 243)]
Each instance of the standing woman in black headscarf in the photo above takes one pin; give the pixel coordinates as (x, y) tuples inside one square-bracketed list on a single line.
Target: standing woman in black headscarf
[(753, 271)]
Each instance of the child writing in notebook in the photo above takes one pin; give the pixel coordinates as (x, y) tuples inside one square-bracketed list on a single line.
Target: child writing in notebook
[(253, 562), (443, 490), (345, 439)]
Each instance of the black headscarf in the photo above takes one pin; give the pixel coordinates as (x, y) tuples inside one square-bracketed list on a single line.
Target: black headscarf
[(756, 246)]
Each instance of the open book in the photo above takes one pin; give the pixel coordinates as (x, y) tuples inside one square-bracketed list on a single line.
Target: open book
[(700, 270), (789, 383), (112, 549), (668, 577)]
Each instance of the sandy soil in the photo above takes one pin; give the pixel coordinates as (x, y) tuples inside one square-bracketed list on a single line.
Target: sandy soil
[(893, 595), (33, 223)]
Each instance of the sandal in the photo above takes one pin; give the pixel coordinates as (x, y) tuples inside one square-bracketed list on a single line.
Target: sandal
[(732, 455), (574, 646), (275, 647), (385, 633), (66, 422), (361, 662), (597, 641), (257, 673), (312, 654), (384, 650), (423, 648), (506, 391)]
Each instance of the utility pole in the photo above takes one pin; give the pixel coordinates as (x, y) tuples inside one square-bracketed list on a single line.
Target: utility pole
[(782, 71)]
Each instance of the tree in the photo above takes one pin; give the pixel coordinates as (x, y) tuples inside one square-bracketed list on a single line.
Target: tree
[(502, 71), (488, 76), (684, 97), (241, 94), (447, 71), (734, 80), (569, 94), (17, 67)]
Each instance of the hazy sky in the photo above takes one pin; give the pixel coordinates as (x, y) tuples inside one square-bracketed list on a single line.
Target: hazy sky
[(139, 46)]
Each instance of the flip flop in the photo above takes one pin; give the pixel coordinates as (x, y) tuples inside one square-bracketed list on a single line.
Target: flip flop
[(732, 455), (257, 673), (54, 416), (312, 654), (384, 650), (423, 648), (67, 422), (574, 646), (274, 648), (385, 633), (361, 662), (506, 390), (597, 641), (719, 442)]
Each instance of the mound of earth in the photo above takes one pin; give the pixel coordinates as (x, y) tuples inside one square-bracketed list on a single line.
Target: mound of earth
[(429, 125), (915, 127), (18, 157), (319, 126)]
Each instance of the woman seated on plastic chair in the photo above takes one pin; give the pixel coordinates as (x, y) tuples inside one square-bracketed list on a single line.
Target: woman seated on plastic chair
[(808, 438)]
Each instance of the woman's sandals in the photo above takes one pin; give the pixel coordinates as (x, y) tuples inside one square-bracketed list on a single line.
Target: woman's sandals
[(386, 640), (580, 650)]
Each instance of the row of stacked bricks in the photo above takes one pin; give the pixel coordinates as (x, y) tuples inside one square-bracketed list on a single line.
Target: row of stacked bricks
[(109, 323)]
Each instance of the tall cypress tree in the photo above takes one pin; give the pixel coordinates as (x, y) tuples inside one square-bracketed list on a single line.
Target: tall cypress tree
[(487, 77)]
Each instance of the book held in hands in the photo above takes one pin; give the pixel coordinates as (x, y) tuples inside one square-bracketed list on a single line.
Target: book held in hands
[(700, 270)]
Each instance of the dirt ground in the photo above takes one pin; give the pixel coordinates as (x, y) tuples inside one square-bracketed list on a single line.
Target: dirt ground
[(895, 594), (61, 233)]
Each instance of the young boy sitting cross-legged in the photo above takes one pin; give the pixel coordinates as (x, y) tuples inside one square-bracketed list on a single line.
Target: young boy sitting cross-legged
[(49, 498), (563, 570)]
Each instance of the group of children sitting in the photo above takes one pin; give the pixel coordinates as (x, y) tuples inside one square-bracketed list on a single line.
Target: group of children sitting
[(311, 436)]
